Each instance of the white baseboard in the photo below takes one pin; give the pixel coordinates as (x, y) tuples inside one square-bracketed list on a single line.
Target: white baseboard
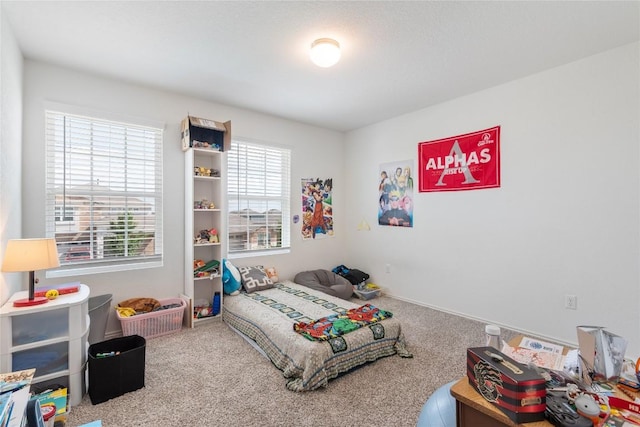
[(482, 320)]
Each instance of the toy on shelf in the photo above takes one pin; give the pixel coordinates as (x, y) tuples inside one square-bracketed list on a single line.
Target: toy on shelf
[(208, 269), (203, 204), (204, 144), (202, 171), (206, 236), (202, 308), (200, 312)]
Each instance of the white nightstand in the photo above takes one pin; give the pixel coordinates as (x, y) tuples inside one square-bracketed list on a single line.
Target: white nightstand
[(52, 337)]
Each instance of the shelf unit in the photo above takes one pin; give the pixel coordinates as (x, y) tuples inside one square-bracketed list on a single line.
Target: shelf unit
[(51, 337), (205, 197)]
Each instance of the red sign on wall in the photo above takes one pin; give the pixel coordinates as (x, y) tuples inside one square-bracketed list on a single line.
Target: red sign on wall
[(464, 162)]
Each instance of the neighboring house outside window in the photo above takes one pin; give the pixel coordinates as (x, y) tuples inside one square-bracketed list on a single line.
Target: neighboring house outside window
[(258, 186), (65, 215), (103, 193)]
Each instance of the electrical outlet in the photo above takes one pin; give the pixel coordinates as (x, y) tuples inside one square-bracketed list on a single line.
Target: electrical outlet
[(571, 302), (387, 268)]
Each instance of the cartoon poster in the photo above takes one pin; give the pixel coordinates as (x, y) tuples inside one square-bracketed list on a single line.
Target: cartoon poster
[(464, 162), (317, 209), (395, 192)]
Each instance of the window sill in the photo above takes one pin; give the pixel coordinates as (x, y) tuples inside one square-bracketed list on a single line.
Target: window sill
[(253, 254), (84, 270)]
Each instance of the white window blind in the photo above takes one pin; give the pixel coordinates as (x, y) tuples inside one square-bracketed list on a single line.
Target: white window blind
[(258, 180), (103, 192)]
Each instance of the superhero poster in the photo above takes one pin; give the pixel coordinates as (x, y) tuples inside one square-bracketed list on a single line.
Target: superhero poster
[(464, 162), (395, 194), (317, 209)]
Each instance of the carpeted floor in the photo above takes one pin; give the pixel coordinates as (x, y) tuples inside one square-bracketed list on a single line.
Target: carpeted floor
[(210, 376)]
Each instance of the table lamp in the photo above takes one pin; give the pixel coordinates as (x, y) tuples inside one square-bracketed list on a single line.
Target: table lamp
[(30, 255)]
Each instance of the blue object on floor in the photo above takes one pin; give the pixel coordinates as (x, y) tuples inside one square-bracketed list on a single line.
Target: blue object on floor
[(440, 409)]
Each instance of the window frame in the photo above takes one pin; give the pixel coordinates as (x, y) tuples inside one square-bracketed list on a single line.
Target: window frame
[(155, 182), (284, 198)]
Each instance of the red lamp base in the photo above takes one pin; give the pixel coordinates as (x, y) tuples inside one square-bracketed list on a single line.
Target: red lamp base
[(26, 302)]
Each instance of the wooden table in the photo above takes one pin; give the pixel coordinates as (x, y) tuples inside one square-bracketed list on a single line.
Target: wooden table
[(472, 410)]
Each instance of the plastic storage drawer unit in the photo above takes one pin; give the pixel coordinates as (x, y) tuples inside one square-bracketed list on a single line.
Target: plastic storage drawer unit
[(116, 367)]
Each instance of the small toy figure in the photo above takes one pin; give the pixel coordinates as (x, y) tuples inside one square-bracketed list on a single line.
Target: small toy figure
[(203, 236), (202, 204), (207, 236), (272, 274), (199, 144), (202, 171), (52, 294)]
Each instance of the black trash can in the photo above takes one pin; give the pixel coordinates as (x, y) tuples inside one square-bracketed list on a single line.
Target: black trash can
[(116, 367)]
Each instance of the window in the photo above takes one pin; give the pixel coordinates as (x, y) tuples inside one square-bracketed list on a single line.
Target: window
[(103, 193), (258, 190), (66, 215)]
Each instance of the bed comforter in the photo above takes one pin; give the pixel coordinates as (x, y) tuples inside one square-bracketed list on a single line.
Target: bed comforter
[(267, 317)]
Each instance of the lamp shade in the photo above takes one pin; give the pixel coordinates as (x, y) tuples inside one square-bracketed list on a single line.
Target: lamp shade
[(30, 255), (325, 52)]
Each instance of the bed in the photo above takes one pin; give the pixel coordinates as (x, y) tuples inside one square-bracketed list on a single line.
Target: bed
[(267, 318)]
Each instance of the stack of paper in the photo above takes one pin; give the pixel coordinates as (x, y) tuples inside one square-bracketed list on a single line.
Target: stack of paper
[(18, 385), (540, 353)]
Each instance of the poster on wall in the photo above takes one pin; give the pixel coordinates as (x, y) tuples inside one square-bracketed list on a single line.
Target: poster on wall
[(317, 209), (395, 194), (464, 162)]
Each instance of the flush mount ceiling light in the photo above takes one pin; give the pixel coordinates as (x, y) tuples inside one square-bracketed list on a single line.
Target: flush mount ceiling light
[(325, 52)]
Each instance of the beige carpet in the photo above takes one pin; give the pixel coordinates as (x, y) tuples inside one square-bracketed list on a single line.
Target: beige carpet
[(210, 376)]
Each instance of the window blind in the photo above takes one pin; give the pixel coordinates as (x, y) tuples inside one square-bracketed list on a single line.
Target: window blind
[(258, 181), (103, 191)]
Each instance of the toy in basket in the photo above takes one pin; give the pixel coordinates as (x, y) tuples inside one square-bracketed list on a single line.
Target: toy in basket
[(164, 320), (367, 291)]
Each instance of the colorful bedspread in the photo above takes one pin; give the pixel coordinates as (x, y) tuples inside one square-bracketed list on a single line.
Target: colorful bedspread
[(336, 325), (267, 318)]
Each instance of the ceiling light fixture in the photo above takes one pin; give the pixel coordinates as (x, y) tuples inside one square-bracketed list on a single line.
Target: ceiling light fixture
[(325, 52)]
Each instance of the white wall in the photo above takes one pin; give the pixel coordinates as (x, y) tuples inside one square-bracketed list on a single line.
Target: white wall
[(314, 155), (565, 220), (11, 64)]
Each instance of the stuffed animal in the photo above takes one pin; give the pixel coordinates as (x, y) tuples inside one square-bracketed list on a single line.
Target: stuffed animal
[(272, 274), (140, 305), (231, 280)]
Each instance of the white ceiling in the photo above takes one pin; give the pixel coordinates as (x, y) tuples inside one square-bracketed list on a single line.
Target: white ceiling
[(397, 56)]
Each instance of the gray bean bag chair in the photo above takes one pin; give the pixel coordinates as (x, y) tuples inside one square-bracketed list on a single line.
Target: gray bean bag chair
[(325, 281)]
